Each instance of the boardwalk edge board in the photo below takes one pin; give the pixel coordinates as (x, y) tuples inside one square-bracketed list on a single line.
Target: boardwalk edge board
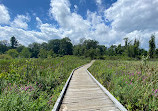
[(117, 103), (61, 96)]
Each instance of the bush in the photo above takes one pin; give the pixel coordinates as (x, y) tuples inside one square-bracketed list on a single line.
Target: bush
[(13, 53), (5, 56), (25, 53)]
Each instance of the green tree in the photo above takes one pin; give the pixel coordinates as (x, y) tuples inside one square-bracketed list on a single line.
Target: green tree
[(88, 47), (76, 50), (90, 53), (126, 42), (112, 50), (90, 44), (136, 48), (34, 49), (152, 46), (54, 45), (20, 48), (102, 49), (25, 53), (51, 54), (156, 53), (97, 53), (3, 46), (43, 53), (130, 51), (44, 45), (13, 42), (13, 53), (66, 47), (119, 50), (143, 52)]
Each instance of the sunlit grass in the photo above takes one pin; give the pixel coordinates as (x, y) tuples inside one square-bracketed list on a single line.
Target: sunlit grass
[(34, 84), (135, 85)]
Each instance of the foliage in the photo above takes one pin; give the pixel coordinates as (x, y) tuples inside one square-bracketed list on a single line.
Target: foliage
[(112, 50), (136, 48), (34, 49), (119, 50), (118, 57), (90, 53), (133, 84), (44, 45), (89, 48), (62, 47), (65, 46), (144, 60), (13, 53), (126, 42), (90, 44), (54, 45), (20, 48), (133, 50), (43, 53), (5, 56), (152, 46), (34, 84), (25, 53), (3, 46), (13, 42)]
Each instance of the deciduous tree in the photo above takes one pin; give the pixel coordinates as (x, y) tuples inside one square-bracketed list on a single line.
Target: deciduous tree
[(25, 53), (152, 46), (13, 42)]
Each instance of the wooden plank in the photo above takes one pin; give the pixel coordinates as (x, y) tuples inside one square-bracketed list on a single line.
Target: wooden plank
[(116, 102), (61, 96), (84, 94)]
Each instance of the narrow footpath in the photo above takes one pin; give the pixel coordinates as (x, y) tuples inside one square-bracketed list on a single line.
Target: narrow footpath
[(83, 94)]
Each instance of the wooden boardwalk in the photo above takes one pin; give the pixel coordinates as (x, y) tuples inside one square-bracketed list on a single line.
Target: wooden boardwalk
[(84, 94)]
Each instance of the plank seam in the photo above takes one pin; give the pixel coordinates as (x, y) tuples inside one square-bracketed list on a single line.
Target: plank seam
[(117, 103)]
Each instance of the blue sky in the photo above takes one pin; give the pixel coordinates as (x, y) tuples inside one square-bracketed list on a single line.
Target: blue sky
[(31, 7), (107, 21), (41, 9)]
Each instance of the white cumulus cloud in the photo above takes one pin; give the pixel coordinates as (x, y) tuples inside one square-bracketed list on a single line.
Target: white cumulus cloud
[(99, 2), (130, 15), (25, 37), (128, 18), (4, 15), (135, 19), (20, 21), (74, 26)]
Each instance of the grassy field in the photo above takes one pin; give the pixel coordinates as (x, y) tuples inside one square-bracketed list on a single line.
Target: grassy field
[(134, 84), (34, 84)]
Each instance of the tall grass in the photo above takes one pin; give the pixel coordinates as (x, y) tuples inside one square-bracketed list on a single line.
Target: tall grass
[(135, 85), (34, 84)]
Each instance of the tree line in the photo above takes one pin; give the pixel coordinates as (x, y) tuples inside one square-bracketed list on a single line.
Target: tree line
[(86, 47)]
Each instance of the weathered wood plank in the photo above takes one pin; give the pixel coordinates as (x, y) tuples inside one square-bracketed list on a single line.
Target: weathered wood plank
[(83, 94)]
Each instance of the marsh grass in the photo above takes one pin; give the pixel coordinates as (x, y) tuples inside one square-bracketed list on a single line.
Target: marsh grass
[(134, 84), (34, 84)]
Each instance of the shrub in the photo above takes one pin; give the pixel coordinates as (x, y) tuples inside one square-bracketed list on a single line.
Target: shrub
[(13, 53), (5, 56)]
